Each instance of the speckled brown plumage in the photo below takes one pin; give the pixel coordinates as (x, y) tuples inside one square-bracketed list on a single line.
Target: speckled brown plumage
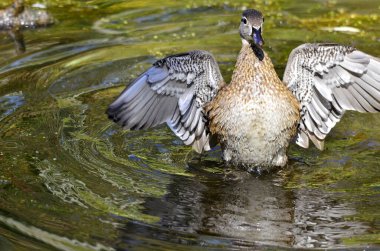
[(255, 116)]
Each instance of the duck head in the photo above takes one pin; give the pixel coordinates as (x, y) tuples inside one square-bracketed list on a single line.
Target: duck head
[(251, 27)]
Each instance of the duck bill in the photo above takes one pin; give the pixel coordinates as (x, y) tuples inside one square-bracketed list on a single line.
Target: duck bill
[(257, 38)]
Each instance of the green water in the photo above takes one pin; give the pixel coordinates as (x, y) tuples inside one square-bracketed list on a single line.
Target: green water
[(72, 180)]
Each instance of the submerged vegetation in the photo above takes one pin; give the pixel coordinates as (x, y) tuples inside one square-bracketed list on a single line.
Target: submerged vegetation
[(71, 180)]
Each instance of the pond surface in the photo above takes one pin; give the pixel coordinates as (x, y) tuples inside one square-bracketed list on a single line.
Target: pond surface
[(70, 179)]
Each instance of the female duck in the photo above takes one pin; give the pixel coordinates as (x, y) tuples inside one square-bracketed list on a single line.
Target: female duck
[(255, 117)]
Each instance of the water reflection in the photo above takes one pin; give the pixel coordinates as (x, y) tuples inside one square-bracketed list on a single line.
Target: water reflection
[(321, 220), (70, 175), (18, 40), (10, 102), (258, 211), (58, 242), (17, 18)]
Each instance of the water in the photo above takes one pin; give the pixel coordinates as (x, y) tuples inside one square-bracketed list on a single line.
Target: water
[(72, 180)]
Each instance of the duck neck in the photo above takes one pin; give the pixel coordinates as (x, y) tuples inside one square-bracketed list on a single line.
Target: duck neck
[(252, 66)]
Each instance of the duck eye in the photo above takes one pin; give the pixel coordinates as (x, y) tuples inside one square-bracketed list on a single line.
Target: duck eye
[(244, 20)]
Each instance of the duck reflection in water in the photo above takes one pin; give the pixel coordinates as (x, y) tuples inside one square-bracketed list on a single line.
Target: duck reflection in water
[(17, 18), (240, 210)]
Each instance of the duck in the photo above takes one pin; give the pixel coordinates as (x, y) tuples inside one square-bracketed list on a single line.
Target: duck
[(257, 115), (18, 17)]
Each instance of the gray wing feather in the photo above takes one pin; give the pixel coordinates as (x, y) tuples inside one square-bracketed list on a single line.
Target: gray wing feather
[(329, 79), (174, 90)]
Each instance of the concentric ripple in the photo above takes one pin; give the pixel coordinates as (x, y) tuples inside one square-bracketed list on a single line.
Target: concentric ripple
[(71, 179)]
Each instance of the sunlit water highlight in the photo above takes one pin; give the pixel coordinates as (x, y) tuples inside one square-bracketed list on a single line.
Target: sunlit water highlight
[(72, 180)]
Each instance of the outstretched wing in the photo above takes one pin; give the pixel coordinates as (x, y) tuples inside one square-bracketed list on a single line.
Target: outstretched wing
[(174, 90), (329, 79)]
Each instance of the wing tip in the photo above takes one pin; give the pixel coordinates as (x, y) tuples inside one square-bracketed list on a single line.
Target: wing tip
[(112, 113), (202, 144), (303, 140), (318, 143)]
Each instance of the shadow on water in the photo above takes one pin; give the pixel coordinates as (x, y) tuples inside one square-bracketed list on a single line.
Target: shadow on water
[(72, 180)]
